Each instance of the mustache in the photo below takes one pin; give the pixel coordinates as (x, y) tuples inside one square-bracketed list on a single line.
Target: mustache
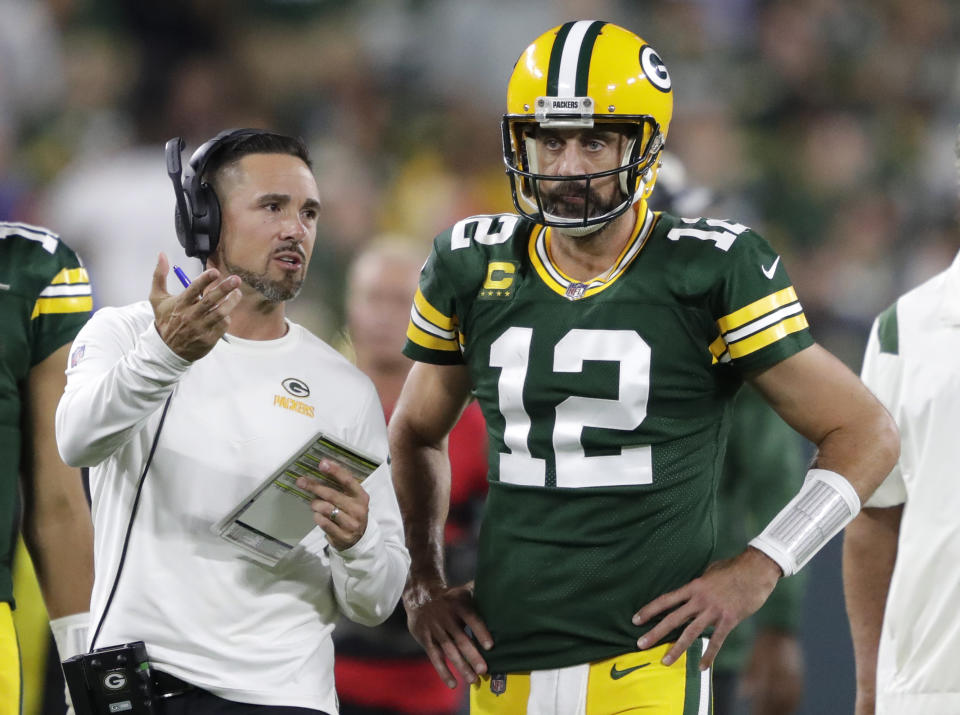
[(295, 246), (570, 190)]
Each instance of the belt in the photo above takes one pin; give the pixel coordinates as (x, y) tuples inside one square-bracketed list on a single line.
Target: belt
[(169, 686)]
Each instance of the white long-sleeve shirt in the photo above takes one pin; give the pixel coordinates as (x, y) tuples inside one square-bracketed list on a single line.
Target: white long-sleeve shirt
[(911, 364), (208, 614)]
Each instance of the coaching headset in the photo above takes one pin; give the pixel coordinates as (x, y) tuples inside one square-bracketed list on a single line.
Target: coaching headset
[(197, 216)]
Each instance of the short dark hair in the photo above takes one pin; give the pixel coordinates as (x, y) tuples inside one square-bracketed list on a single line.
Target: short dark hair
[(262, 142)]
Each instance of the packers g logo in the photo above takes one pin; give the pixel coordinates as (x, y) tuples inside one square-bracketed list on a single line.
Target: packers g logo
[(297, 388), (498, 285), (115, 680), (654, 69)]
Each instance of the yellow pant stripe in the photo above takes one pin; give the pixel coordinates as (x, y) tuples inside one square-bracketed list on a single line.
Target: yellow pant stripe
[(10, 683)]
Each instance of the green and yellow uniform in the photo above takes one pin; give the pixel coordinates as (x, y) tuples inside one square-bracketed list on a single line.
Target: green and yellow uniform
[(44, 300), (606, 405)]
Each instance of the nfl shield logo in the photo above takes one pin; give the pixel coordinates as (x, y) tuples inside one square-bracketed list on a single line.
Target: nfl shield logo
[(498, 683), (77, 355), (575, 291)]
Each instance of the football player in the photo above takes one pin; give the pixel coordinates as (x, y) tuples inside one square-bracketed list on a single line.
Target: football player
[(604, 343)]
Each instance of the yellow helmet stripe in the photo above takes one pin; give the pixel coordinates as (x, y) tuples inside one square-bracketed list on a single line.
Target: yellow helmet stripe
[(570, 58)]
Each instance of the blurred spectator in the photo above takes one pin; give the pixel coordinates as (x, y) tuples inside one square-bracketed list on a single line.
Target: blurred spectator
[(118, 202), (383, 670)]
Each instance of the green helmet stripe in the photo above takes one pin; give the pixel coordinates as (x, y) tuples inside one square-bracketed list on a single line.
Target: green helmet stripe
[(586, 52), (556, 54)]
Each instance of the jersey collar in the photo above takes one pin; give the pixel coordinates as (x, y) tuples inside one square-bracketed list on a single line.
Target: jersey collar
[(538, 248)]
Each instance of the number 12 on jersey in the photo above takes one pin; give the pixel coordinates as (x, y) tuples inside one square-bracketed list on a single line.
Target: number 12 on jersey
[(574, 469)]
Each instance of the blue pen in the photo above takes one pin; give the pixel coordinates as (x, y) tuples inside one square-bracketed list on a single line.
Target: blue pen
[(182, 276)]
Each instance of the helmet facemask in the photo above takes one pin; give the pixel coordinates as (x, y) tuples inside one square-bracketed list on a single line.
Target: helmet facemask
[(636, 171)]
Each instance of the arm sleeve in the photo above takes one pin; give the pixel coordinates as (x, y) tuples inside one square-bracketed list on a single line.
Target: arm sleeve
[(882, 374), (117, 380), (368, 577)]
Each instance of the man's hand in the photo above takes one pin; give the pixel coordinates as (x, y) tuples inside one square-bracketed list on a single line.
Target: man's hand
[(191, 323), (773, 680), (342, 514), (438, 617), (728, 592)]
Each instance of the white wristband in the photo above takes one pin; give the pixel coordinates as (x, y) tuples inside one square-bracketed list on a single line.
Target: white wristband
[(70, 634), (825, 504)]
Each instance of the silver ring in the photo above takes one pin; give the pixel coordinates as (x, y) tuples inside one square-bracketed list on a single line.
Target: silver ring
[(333, 514)]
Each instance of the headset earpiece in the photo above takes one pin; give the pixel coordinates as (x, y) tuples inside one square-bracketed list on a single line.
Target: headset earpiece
[(197, 215)]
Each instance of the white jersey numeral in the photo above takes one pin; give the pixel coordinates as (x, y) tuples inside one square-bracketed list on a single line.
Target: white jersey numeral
[(488, 230), (723, 238), (511, 352)]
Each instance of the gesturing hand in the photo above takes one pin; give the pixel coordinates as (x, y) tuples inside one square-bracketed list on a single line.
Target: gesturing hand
[(728, 592), (437, 617), (341, 514), (191, 323)]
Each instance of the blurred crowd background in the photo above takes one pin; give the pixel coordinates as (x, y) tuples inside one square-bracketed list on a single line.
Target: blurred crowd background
[(828, 127)]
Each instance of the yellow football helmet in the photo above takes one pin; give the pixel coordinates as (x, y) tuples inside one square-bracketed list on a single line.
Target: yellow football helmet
[(577, 75)]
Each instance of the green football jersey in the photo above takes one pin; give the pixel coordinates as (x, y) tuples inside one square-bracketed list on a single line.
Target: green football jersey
[(606, 404), (44, 301)]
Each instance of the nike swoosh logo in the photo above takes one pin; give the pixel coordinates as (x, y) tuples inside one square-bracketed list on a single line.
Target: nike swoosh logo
[(617, 674), (768, 272)]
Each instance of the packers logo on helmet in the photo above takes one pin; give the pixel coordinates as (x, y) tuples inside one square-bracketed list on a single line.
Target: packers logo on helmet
[(580, 75)]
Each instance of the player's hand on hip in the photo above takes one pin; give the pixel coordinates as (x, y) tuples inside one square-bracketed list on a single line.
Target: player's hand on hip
[(341, 510), (438, 617), (773, 680), (728, 592), (192, 322)]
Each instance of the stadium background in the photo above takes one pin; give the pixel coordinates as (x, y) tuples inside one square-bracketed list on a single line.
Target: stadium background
[(828, 127)]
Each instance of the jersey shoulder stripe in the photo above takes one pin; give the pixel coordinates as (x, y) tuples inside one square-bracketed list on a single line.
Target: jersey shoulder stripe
[(760, 324), (46, 270), (430, 328)]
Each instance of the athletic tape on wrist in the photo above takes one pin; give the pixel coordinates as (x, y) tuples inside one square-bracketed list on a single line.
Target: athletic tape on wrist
[(825, 504), (70, 634)]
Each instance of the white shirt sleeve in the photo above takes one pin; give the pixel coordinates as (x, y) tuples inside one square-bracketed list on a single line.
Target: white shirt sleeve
[(123, 377), (882, 374), (368, 577)]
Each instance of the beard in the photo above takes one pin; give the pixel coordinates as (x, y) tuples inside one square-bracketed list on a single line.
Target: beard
[(274, 291), (569, 199)]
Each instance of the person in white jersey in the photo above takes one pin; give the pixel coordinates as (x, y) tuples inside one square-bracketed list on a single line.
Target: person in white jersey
[(222, 389), (901, 554)]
